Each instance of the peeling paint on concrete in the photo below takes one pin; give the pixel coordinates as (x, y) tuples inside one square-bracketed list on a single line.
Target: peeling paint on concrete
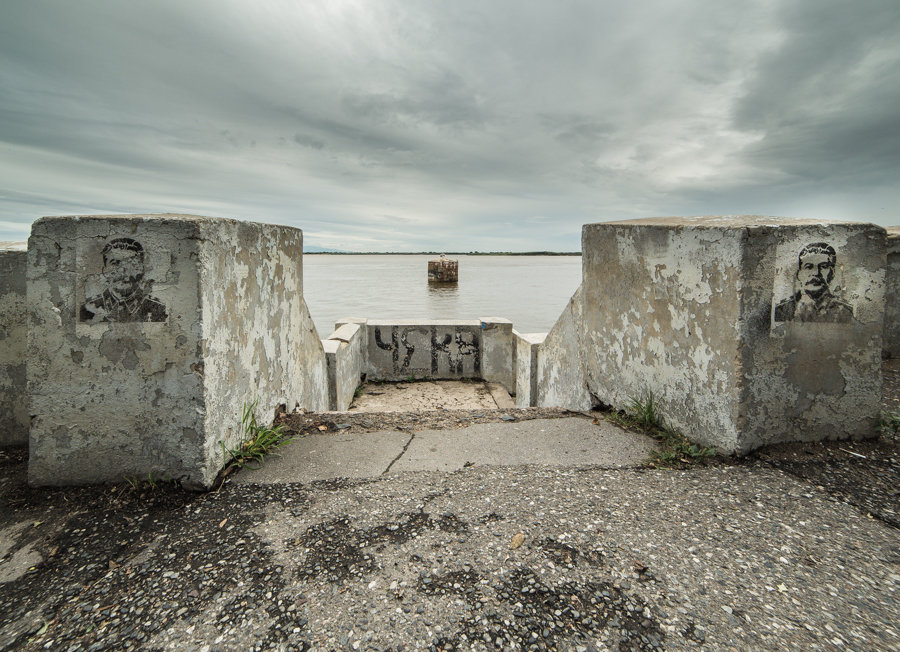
[(119, 392), (683, 308), (13, 407), (560, 360), (892, 294)]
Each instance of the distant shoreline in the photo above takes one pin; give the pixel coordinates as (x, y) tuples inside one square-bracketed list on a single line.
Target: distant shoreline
[(446, 253)]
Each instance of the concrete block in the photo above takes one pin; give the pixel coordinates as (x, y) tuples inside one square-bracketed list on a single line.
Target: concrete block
[(13, 404), (527, 347), (892, 295), (748, 330), (561, 378), (149, 333), (498, 359), (424, 349), (343, 354), (364, 342)]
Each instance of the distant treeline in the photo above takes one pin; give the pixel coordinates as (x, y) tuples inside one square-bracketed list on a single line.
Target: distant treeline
[(446, 253)]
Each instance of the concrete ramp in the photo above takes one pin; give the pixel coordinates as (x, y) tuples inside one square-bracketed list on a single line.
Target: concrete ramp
[(568, 442)]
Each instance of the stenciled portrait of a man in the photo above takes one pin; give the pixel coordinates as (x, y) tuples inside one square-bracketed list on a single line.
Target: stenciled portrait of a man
[(814, 299), (127, 295)]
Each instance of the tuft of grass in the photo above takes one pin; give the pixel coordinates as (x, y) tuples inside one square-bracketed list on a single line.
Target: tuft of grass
[(676, 450), (890, 424), (259, 441), (152, 482), (644, 411)]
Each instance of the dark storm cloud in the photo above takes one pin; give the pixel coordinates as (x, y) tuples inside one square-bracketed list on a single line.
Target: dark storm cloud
[(389, 124), (826, 99)]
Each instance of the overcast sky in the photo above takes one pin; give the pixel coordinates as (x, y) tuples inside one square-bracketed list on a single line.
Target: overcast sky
[(457, 125)]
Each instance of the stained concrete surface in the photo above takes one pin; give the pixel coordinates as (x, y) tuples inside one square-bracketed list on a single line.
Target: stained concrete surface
[(427, 395), (576, 442)]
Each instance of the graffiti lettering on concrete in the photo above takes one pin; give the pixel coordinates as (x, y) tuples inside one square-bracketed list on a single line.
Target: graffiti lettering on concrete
[(815, 298), (399, 339), (457, 352), (127, 295), (456, 347)]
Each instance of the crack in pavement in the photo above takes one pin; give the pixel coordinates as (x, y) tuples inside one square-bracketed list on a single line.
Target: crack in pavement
[(400, 454)]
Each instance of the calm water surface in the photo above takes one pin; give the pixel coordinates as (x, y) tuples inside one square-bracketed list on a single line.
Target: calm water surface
[(531, 291)]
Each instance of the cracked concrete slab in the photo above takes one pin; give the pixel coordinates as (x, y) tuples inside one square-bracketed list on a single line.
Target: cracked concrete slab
[(552, 442), (567, 442), (322, 457)]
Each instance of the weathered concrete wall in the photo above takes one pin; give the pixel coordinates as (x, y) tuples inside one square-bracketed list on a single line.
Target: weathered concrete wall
[(527, 347), (441, 350), (709, 315), (363, 340), (812, 377), (13, 404), (424, 349), (260, 343), (892, 295), (344, 357), (498, 354), (561, 360), (214, 319)]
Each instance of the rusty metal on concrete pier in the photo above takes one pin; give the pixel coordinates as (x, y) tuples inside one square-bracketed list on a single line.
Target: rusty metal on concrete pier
[(443, 270)]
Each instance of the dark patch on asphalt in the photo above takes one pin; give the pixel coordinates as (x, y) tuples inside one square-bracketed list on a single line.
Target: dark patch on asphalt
[(339, 484), (564, 554), (865, 475), (531, 614), (459, 582), (122, 569), (335, 550)]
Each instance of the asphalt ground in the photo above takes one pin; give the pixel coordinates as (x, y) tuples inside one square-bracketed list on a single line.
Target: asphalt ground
[(795, 547)]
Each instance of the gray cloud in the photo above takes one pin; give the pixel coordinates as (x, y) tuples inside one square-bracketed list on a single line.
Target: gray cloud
[(469, 125)]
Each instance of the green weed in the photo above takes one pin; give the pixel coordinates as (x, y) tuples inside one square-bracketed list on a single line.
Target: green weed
[(676, 449), (644, 412), (152, 482), (259, 441), (890, 424)]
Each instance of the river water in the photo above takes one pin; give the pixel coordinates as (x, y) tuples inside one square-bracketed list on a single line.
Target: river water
[(531, 291)]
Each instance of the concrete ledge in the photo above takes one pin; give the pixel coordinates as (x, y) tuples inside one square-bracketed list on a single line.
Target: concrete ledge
[(498, 360), (14, 419), (343, 355), (527, 346), (422, 348)]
